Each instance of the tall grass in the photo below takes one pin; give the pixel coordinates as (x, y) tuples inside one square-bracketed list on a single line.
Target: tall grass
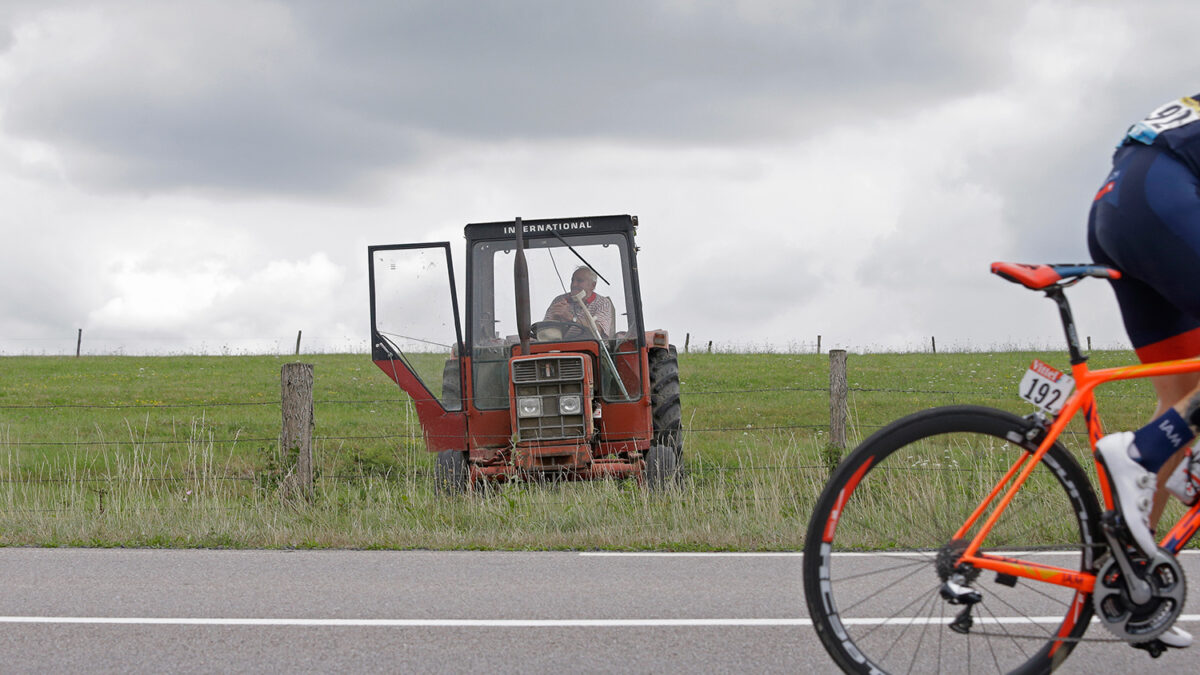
[(141, 471)]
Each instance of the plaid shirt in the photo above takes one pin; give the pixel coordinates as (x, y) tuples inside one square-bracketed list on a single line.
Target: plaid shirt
[(600, 307)]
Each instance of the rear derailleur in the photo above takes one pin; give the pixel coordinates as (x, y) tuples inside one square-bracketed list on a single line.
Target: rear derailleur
[(956, 584)]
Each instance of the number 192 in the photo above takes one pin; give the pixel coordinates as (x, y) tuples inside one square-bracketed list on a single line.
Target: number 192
[(1040, 391)]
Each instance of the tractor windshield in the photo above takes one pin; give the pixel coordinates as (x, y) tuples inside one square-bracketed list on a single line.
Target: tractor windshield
[(593, 308)]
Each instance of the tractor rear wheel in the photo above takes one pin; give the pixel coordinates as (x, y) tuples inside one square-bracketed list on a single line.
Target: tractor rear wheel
[(666, 410), (450, 473)]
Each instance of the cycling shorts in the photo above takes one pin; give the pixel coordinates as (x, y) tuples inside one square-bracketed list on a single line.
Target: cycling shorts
[(1145, 221)]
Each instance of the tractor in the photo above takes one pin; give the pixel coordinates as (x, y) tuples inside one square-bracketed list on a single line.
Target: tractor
[(500, 397)]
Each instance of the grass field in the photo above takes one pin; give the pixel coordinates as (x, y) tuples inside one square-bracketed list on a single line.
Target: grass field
[(181, 451)]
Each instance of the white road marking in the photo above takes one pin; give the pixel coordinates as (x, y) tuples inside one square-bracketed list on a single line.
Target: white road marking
[(511, 623), (407, 623), (797, 554), (691, 554)]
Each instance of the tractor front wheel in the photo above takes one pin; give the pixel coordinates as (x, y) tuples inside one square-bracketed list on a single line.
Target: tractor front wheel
[(450, 473), (662, 467)]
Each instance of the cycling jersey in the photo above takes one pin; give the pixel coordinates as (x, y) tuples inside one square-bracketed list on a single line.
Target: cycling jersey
[(1172, 126)]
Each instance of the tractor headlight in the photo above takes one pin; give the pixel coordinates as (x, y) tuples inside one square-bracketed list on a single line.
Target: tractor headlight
[(568, 405), (529, 406)]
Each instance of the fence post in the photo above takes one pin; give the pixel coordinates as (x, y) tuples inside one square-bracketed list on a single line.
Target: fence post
[(686, 341), (933, 343), (298, 333), (838, 390), (818, 344), (710, 346), (295, 438), (78, 342)]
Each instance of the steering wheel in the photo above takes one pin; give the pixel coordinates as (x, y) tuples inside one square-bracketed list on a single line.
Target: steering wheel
[(568, 330)]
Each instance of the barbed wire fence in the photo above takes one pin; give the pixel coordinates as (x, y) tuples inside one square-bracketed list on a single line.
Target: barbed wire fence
[(842, 397)]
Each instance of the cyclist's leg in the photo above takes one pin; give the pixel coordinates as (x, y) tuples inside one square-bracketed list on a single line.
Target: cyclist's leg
[(1171, 391), (1146, 222)]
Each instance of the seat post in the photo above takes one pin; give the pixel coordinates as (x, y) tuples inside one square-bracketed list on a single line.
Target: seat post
[(1068, 321)]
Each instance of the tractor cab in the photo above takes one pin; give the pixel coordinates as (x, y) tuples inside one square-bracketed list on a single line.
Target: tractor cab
[(542, 378)]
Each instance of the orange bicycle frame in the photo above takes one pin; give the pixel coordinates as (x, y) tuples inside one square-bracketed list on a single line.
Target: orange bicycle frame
[(1086, 381)]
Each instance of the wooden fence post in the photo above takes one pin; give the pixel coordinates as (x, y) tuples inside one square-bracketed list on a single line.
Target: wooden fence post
[(838, 392), (298, 333), (818, 344), (933, 343), (78, 342), (295, 439), (686, 341)]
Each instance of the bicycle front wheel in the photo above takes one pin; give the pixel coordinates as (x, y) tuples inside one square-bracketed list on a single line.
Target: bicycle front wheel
[(881, 545)]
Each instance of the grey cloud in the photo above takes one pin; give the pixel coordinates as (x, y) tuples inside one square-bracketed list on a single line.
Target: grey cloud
[(740, 286), (347, 93)]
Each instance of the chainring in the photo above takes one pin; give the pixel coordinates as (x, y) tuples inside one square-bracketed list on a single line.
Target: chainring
[(1139, 623)]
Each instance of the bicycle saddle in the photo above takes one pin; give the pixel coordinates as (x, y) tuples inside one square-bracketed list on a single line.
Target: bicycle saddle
[(1038, 277)]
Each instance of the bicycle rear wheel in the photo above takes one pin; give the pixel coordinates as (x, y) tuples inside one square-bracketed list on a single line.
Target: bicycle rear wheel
[(880, 545)]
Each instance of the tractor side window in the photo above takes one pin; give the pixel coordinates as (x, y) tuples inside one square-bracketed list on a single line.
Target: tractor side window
[(414, 318)]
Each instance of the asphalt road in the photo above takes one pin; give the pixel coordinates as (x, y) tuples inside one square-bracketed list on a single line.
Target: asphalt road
[(103, 610)]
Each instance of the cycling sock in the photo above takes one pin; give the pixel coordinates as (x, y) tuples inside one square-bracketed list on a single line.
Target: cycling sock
[(1162, 437)]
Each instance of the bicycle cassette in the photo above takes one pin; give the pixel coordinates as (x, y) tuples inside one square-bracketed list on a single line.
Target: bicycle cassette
[(1134, 622)]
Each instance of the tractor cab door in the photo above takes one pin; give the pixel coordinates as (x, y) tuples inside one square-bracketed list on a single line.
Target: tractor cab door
[(416, 337)]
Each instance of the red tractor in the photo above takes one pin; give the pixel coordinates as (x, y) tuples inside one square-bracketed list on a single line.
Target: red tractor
[(585, 393)]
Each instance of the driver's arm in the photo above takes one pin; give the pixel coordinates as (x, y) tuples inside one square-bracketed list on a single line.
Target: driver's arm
[(559, 310)]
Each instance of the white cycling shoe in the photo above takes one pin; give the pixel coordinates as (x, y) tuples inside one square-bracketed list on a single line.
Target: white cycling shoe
[(1133, 488), (1176, 638)]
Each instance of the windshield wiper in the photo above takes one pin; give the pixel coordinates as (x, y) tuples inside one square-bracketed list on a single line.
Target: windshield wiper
[(581, 258)]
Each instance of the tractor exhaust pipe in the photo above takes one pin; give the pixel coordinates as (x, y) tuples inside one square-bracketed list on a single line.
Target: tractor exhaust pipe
[(521, 279)]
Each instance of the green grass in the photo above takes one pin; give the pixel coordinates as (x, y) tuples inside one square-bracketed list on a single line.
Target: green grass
[(182, 451)]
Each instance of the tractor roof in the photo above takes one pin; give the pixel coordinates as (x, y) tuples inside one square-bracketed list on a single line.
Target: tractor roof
[(563, 227)]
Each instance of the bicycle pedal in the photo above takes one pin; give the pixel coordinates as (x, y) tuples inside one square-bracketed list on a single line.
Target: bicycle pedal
[(1154, 647)]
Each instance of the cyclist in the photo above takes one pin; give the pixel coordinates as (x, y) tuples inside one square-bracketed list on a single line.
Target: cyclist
[(1145, 221)]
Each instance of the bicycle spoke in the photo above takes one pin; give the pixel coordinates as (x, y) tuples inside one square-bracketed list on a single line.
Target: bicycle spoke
[(921, 637), (887, 621), (873, 595), (904, 631), (1005, 630), (1010, 606), (916, 563)]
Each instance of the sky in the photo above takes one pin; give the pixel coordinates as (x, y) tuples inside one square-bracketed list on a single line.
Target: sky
[(205, 176)]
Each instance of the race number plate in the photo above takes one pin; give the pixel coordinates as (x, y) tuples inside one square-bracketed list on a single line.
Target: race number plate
[(1046, 387)]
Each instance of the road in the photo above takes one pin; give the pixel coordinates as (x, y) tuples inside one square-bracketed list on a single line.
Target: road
[(113, 610)]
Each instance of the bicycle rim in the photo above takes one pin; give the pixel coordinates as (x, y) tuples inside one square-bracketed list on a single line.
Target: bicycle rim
[(871, 559)]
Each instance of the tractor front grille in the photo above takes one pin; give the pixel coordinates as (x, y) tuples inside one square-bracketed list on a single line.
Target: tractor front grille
[(550, 379)]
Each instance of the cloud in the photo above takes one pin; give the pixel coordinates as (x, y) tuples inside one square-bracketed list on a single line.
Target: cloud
[(215, 170), (311, 98), (207, 299)]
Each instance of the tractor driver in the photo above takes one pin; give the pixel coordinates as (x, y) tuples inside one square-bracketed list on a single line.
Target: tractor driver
[(566, 308)]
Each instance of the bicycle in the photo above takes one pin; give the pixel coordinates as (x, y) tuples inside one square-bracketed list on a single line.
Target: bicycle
[(909, 523)]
